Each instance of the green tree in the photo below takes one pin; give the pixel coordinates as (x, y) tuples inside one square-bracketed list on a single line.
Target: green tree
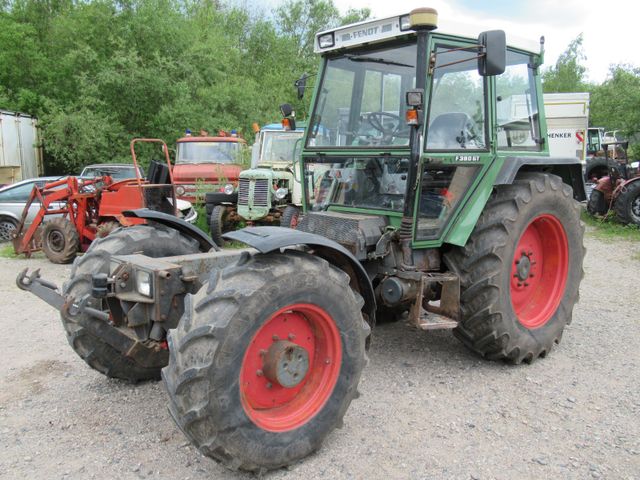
[(567, 75), (615, 104)]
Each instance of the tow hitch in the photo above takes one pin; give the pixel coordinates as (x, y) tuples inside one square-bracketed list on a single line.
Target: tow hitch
[(98, 322)]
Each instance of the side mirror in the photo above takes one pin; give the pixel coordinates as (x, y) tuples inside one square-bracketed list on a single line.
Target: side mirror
[(286, 109), (301, 84), (493, 58)]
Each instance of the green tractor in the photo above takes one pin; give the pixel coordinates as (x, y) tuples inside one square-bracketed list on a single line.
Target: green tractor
[(270, 191), (436, 199)]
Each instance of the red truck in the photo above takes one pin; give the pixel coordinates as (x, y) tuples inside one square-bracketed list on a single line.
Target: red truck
[(207, 163)]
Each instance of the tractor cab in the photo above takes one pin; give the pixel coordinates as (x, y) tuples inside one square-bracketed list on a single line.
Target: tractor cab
[(411, 120)]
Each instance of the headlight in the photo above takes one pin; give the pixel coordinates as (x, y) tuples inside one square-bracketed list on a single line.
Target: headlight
[(281, 193), (143, 283), (180, 190), (228, 189), (326, 40), (405, 23)]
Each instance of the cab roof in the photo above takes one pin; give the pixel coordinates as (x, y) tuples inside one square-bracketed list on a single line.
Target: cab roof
[(211, 139), (378, 30)]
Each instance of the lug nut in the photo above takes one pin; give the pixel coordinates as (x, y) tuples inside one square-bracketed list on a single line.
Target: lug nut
[(275, 338), (263, 353), (259, 373), (291, 336)]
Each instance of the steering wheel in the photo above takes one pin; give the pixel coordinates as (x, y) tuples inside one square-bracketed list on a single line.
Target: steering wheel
[(375, 119)]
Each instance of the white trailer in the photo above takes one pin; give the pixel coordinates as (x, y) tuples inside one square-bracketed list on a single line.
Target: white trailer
[(567, 124), (20, 147)]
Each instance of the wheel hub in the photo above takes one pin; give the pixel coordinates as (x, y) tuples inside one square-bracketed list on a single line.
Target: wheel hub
[(635, 207), (56, 241), (286, 363), (523, 267)]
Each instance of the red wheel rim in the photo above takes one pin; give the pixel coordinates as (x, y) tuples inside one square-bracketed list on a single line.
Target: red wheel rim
[(267, 403), (539, 271)]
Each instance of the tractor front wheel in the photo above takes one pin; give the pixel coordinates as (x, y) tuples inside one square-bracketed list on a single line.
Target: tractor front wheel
[(60, 240), (218, 224), (99, 355), (520, 270), (627, 205), (290, 217), (266, 360)]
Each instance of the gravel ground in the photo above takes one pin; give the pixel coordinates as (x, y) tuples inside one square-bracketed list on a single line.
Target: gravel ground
[(429, 408)]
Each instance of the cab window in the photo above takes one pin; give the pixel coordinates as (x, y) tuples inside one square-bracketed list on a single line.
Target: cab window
[(456, 117), (517, 105)]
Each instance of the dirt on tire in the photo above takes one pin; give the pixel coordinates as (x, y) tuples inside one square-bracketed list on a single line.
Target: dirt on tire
[(490, 325), (153, 242), (218, 326)]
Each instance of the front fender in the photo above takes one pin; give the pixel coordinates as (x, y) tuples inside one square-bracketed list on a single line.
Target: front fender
[(270, 239)]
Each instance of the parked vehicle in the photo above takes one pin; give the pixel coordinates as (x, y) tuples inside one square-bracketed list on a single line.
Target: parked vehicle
[(619, 189), (425, 209), (88, 208), (117, 171), (20, 147), (206, 163), (269, 192), (13, 199)]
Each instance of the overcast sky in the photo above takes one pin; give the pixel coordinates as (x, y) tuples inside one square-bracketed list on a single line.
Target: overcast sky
[(609, 26)]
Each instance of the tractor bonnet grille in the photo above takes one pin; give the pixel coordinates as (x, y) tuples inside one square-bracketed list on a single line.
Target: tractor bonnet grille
[(243, 191), (261, 193)]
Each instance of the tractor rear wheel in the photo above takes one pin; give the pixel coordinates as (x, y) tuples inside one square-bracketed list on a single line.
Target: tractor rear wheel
[(266, 360), (98, 354), (627, 205), (60, 240), (520, 270)]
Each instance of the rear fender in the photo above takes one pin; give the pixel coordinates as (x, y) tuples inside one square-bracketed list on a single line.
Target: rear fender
[(623, 184), (270, 239), (569, 169)]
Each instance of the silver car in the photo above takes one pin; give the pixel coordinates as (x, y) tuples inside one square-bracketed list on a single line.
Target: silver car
[(13, 199)]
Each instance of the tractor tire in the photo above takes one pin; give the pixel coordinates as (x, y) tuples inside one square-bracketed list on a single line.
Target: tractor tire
[(627, 205), (153, 242), (60, 240), (597, 204), (8, 227), (520, 270), (222, 393), (217, 224), (290, 216), (596, 167)]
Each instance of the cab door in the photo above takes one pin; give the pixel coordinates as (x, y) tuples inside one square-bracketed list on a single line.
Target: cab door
[(457, 138)]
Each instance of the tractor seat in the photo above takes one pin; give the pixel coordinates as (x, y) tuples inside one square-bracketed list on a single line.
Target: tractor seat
[(158, 173), (450, 131)]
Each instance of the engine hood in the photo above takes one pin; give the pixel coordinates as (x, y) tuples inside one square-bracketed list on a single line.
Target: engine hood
[(208, 172)]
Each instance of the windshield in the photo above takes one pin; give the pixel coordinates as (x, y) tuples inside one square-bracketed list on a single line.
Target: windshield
[(370, 182), (361, 100), (279, 146), (208, 152), (115, 173)]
